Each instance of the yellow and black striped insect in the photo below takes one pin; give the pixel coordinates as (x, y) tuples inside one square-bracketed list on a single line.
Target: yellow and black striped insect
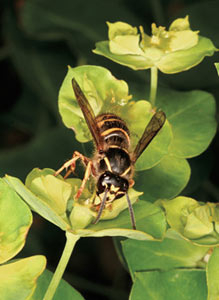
[(113, 162)]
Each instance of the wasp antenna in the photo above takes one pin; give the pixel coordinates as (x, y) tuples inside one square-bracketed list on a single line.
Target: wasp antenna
[(131, 211), (102, 205)]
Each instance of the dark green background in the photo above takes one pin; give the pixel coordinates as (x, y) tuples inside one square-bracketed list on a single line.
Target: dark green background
[(39, 38)]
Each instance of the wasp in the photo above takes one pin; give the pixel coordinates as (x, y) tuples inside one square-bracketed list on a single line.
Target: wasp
[(112, 164)]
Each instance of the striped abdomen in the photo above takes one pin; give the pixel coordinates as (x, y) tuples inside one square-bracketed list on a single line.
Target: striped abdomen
[(113, 130)]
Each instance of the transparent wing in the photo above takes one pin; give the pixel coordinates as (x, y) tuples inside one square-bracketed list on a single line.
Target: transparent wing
[(88, 114), (153, 127)]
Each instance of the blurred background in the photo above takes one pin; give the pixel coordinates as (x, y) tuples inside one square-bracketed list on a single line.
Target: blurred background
[(39, 39)]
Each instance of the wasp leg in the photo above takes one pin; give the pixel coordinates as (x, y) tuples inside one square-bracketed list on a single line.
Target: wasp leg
[(72, 163), (86, 177)]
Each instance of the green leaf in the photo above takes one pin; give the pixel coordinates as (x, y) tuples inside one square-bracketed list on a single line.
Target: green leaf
[(18, 279), (171, 285), (162, 255), (213, 275), (192, 117), (64, 290), (166, 180), (37, 204), (150, 223), (15, 221)]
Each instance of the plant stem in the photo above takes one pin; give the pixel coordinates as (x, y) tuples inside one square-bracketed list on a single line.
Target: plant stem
[(153, 91), (71, 240)]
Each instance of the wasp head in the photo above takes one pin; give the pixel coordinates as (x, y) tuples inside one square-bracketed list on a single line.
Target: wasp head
[(115, 184), (113, 187)]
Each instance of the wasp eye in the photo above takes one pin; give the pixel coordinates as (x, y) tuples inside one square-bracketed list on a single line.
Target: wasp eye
[(124, 185)]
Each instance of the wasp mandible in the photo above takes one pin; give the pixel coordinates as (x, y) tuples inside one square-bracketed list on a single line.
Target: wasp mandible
[(112, 164)]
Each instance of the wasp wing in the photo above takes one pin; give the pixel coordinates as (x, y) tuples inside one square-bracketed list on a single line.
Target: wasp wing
[(88, 114), (153, 127)]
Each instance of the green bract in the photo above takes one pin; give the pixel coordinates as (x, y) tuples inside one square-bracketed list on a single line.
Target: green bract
[(105, 93), (171, 51), (102, 90), (16, 278), (55, 202), (195, 221)]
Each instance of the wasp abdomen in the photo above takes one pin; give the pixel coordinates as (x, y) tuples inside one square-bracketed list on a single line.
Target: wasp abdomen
[(114, 130)]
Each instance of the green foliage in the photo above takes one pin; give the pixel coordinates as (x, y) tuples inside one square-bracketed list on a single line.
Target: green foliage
[(166, 255), (19, 278), (195, 221), (172, 51), (212, 275), (186, 112), (166, 180), (106, 93), (173, 253), (174, 284), (36, 203), (101, 89), (47, 199), (15, 221)]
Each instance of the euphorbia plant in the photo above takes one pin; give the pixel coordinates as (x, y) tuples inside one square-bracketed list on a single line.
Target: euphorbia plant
[(164, 221), (170, 51)]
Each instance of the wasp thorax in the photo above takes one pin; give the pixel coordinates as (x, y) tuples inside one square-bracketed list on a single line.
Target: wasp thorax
[(115, 184)]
